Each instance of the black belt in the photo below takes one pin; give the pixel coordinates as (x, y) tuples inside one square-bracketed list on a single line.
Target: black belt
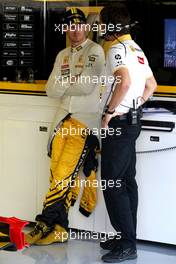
[(121, 117)]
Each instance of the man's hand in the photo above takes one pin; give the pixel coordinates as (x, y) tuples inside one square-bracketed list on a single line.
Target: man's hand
[(107, 117)]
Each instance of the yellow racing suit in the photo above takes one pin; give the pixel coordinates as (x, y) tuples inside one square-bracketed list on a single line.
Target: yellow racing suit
[(78, 112)]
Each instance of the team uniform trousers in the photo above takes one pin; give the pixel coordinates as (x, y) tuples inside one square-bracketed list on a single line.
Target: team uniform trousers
[(118, 164)]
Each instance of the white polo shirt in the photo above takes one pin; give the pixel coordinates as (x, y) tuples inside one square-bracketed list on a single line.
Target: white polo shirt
[(124, 52)]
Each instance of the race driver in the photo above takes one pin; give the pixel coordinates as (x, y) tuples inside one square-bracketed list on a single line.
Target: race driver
[(78, 109)]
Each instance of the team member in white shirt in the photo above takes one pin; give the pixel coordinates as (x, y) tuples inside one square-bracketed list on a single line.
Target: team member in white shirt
[(132, 85)]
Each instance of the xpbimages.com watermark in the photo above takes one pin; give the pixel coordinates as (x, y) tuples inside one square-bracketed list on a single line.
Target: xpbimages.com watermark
[(80, 131), (82, 235), (87, 79), (95, 27), (100, 184)]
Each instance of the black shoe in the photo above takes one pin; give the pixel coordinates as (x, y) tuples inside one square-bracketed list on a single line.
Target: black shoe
[(109, 244), (119, 254)]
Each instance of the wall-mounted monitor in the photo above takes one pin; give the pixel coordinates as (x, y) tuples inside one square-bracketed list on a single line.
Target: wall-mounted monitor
[(170, 43)]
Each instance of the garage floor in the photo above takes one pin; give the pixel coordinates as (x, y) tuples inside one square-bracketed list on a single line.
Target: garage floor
[(85, 252)]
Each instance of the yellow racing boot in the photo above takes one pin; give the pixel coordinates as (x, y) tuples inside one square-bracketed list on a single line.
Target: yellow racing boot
[(5, 243), (58, 235), (39, 230)]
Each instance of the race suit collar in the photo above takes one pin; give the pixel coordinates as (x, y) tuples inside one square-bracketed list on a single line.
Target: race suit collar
[(77, 48)]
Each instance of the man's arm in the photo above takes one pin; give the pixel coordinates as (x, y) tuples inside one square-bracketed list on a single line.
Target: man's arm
[(119, 93), (85, 82), (121, 88), (56, 84), (150, 88), (116, 60)]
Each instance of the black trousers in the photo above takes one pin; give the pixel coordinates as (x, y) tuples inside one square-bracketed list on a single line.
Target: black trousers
[(118, 164)]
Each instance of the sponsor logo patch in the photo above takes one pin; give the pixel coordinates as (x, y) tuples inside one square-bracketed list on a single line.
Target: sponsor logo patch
[(66, 59), (79, 66), (81, 60), (64, 66), (140, 60), (91, 58), (132, 48), (65, 71), (118, 57), (89, 65)]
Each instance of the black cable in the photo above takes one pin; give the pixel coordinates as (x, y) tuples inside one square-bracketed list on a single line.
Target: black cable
[(105, 106), (121, 43)]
